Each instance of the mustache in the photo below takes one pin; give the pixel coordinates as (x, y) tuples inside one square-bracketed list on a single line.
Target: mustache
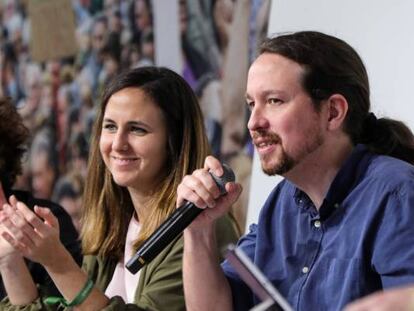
[(265, 135)]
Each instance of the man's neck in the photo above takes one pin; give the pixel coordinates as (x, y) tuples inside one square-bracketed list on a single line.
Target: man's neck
[(315, 174)]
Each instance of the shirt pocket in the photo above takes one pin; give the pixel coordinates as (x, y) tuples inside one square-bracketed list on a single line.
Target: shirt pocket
[(344, 280)]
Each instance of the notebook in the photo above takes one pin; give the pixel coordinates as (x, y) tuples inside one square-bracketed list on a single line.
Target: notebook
[(257, 281)]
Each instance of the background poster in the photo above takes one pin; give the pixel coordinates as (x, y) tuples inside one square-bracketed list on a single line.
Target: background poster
[(52, 29), (58, 55)]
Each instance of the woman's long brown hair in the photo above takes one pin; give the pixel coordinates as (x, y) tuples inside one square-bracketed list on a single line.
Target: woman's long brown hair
[(108, 207)]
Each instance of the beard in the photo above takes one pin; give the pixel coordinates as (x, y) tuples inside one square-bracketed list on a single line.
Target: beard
[(284, 165), (284, 162)]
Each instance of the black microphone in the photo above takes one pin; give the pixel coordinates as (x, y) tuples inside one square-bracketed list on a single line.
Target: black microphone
[(173, 226)]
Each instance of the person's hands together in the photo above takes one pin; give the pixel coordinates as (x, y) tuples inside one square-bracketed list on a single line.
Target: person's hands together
[(201, 189), (399, 299), (7, 251), (34, 234)]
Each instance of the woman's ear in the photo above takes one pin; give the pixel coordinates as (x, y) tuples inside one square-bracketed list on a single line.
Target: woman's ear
[(337, 111)]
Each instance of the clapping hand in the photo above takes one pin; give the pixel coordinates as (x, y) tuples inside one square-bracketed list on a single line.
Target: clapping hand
[(5, 248), (34, 234)]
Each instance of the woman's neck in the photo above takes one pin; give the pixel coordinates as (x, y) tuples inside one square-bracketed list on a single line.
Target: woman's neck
[(140, 201)]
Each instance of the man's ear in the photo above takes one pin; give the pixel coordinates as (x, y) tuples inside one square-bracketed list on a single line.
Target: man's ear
[(337, 111)]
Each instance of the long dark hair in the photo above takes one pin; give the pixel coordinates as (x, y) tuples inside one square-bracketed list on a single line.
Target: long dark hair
[(333, 67), (14, 137)]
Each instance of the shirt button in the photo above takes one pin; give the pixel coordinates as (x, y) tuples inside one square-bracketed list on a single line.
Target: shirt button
[(317, 224), (336, 205), (305, 269)]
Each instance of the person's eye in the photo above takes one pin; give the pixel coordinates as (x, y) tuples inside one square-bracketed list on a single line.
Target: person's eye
[(274, 101), (250, 104), (138, 130), (109, 127)]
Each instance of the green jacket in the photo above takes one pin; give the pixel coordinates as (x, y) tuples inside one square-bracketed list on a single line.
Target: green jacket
[(160, 285)]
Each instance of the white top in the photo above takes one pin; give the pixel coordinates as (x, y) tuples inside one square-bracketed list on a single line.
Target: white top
[(123, 282)]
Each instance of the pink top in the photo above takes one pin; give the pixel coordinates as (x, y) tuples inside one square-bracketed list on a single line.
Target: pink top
[(123, 282)]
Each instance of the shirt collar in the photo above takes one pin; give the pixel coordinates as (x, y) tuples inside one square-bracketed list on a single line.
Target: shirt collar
[(347, 177)]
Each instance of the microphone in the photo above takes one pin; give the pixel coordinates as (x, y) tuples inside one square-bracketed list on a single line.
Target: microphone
[(173, 226)]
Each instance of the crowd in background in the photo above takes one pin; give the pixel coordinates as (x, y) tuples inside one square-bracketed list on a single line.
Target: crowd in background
[(57, 98)]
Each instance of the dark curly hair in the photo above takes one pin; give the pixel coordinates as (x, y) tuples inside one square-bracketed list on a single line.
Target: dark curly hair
[(13, 138)]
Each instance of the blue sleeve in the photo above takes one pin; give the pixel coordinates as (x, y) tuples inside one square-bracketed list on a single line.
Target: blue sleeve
[(393, 252), (242, 295)]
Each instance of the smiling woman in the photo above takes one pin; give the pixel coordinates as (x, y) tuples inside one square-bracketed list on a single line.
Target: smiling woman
[(149, 134), (133, 142)]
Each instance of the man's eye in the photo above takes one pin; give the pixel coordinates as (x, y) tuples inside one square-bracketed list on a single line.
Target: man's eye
[(250, 104), (273, 101)]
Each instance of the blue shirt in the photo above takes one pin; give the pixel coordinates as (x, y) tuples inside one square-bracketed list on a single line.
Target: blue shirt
[(360, 241)]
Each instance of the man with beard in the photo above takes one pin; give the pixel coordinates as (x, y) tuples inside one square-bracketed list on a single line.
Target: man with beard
[(339, 226)]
